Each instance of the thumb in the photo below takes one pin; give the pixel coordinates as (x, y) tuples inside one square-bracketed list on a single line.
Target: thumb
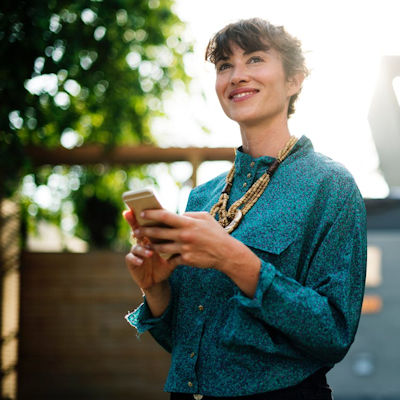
[(175, 260)]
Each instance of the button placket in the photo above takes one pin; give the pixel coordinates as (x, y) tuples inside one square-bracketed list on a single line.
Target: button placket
[(249, 175)]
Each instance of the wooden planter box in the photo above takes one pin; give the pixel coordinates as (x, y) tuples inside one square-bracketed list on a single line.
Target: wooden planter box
[(74, 340)]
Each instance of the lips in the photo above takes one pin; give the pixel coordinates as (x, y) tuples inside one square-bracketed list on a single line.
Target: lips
[(242, 93)]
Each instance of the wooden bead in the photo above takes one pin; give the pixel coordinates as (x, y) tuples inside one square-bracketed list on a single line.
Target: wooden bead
[(273, 167), (229, 219)]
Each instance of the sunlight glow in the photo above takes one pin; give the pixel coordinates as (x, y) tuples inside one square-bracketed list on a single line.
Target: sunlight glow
[(46, 83), (344, 42), (396, 88)]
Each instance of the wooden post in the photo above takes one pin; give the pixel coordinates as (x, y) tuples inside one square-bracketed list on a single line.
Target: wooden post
[(196, 162), (9, 297)]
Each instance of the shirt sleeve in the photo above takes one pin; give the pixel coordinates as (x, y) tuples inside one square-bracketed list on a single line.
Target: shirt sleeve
[(161, 328), (319, 317), (143, 320)]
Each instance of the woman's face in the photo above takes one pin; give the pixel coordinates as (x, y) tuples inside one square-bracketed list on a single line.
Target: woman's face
[(252, 87)]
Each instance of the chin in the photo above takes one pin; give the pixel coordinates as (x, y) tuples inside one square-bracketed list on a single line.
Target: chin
[(253, 118), (243, 118), (248, 121)]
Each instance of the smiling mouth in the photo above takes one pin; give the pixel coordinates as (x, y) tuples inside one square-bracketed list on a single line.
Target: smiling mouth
[(242, 94)]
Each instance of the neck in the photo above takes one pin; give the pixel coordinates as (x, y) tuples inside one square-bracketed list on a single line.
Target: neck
[(264, 141)]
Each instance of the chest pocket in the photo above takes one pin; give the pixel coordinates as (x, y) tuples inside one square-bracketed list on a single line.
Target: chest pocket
[(271, 238)]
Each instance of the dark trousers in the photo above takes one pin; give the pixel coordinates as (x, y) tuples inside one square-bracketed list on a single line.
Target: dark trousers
[(315, 387)]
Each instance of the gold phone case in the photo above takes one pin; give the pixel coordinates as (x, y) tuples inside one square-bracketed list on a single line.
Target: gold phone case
[(143, 199), (139, 200)]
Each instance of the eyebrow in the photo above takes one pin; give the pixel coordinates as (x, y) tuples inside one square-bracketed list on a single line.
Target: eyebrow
[(266, 49)]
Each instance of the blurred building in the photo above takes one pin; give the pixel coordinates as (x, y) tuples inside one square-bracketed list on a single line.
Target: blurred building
[(371, 370)]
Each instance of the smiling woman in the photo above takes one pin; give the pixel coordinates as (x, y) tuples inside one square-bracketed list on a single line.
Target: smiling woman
[(263, 293), (274, 42)]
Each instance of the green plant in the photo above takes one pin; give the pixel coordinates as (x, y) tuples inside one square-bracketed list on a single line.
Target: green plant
[(78, 72)]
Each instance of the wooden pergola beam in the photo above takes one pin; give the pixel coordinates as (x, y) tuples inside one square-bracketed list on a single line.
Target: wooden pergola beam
[(122, 155)]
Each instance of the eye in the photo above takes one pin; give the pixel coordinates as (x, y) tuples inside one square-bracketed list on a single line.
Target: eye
[(223, 66), (255, 59)]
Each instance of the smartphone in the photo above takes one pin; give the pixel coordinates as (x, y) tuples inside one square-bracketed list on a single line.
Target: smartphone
[(140, 200)]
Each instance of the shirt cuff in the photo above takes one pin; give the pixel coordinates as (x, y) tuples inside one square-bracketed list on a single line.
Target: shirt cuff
[(267, 274), (142, 318)]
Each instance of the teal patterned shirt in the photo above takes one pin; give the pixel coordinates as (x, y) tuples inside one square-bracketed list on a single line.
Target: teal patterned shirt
[(309, 230)]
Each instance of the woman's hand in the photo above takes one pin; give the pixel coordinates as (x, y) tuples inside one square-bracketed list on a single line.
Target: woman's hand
[(145, 265), (197, 239), (194, 238)]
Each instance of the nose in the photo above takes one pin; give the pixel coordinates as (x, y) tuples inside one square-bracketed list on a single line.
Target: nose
[(239, 75)]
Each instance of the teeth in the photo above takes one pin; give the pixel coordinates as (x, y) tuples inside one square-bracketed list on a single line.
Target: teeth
[(242, 94)]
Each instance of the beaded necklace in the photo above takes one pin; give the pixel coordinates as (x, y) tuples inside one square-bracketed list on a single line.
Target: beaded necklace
[(230, 219)]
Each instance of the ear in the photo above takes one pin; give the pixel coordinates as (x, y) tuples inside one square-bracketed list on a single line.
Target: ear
[(294, 83)]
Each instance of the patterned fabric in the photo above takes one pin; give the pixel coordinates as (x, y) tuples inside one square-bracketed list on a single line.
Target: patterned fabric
[(309, 230)]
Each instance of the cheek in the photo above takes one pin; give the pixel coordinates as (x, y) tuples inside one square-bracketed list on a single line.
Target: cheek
[(218, 92), (220, 87), (278, 85)]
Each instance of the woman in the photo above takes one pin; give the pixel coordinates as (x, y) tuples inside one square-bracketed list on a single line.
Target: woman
[(263, 294)]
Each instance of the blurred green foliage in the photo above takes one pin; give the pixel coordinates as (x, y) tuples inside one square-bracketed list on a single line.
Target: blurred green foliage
[(75, 72)]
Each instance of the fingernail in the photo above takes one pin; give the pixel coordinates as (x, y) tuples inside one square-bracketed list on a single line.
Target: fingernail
[(139, 260), (148, 252), (136, 231), (142, 214)]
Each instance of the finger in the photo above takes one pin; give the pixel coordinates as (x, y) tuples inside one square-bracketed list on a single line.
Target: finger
[(141, 251), (143, 241), (167, 248), (129, 216), (154, 232), (197, 214), (133, 261), (165, 217)]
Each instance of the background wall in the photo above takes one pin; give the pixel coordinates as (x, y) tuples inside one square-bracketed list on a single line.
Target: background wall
[(74, 340)]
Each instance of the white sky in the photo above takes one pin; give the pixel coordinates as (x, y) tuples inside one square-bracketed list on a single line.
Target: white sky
[(344, 41)]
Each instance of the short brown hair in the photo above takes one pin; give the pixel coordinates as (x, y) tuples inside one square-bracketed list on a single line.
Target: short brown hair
[(257, 34)]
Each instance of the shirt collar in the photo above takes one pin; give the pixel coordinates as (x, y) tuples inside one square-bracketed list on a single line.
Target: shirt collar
[(244, 160)]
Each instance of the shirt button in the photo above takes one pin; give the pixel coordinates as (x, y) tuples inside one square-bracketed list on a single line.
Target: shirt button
[(244, 184), (190, 384), (192, 355), (249, 175), (200, 307), (252, 164)]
